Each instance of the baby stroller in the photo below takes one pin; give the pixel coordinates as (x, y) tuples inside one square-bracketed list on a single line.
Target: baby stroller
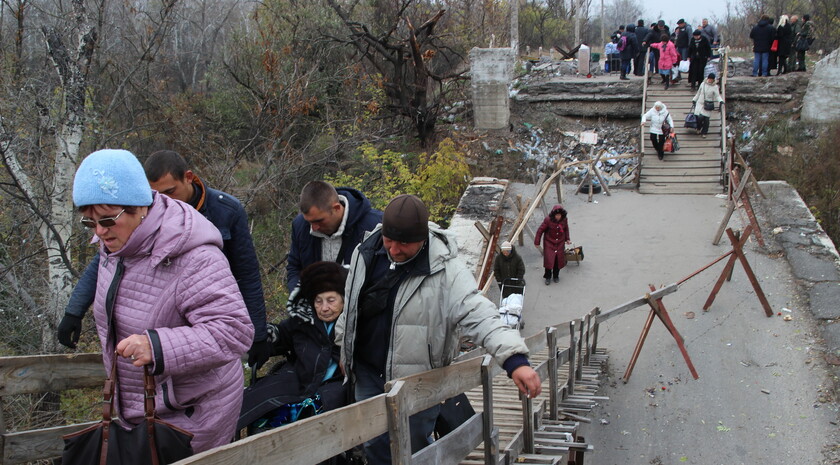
[(511, 302)]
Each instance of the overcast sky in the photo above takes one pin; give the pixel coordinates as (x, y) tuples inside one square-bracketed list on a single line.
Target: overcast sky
[(692, 11)]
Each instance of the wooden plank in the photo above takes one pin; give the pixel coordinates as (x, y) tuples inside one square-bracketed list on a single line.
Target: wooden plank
[(450, 449), (39, 444), (312, 440), (429, 388), (626, 307), (42, 373)]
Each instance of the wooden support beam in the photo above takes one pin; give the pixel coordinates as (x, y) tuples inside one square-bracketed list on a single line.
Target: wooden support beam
[(731, 204), (738, 254)]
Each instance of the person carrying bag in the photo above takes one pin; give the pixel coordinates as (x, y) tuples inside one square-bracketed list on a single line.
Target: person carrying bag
[(709, 94)]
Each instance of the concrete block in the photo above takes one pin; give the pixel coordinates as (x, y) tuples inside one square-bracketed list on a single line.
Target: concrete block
[(825, 300), (822, 99), (812, 268)]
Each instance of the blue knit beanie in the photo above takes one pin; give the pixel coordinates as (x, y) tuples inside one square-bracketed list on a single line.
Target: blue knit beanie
[(111, 177)]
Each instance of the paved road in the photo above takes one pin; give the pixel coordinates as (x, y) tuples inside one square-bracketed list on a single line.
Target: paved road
[(631, 240)]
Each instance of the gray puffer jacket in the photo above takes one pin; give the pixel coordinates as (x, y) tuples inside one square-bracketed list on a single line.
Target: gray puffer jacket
[(429, 311)]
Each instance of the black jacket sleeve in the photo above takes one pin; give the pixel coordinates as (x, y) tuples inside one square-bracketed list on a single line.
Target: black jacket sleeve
[(83, 294), (246, 269)]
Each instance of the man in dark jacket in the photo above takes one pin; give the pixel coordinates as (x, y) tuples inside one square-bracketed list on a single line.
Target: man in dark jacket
[(681, 37), (331, 223), (168, 174), (762, 35), (653, 37), (639, 61), (631, 48)]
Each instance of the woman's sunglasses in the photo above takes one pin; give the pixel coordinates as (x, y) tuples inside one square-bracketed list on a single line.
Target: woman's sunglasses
[(104, 222)]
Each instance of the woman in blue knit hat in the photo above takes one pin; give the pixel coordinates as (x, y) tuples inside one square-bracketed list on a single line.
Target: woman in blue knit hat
[(165, 301)]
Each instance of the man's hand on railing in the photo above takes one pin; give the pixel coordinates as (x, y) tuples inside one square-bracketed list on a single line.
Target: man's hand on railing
[(527, 380)]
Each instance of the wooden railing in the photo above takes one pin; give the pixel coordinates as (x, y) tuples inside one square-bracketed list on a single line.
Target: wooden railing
[(318, 438), (725, 160)]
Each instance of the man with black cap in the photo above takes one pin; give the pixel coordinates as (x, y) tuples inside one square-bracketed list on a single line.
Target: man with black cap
[(407, 297)]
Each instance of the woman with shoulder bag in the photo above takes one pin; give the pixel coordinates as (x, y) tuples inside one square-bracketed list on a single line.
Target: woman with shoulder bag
[(708, 95), (660, 120), (166, 302)]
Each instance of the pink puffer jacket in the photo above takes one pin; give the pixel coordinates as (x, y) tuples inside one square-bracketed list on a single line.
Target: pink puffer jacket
[(177, 289), (668, 56)]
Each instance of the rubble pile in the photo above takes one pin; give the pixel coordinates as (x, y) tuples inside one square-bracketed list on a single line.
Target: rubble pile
[(550, 148), (546, 68)]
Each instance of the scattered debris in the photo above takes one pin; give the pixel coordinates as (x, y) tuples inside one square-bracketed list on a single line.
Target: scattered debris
[(766, 391), (788, 318), (689, 315), (604, 421)]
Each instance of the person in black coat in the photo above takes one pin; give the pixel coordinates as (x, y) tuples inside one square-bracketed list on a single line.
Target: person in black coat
[(307, 341), (639, 61), (785, 37), (652, 37), (762, 35), (699, 51), (631, 48)]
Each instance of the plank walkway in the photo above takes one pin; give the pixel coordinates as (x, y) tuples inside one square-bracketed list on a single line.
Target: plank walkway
[(551, 436), (696, 167)]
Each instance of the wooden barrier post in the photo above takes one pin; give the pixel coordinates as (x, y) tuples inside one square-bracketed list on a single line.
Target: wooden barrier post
[(595, 331), (489, 433), (527, 423), (657, 308), (553, 402), (572, 357), (398, 428), (738, 253)]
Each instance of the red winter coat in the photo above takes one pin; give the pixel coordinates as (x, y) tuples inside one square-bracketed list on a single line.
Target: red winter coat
[(554, 240)]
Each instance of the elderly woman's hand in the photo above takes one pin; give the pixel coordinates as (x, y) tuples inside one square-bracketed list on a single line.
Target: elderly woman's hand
[(136, 347)]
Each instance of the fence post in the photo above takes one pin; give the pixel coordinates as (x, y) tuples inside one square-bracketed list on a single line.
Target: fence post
[(552, 373), (588, 326), (527, 424), (572, 357), (398, 428), (491, 438), (595, 330), (579, 361)]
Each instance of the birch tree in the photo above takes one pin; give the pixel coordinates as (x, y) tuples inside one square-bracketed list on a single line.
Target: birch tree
[(41, 164)]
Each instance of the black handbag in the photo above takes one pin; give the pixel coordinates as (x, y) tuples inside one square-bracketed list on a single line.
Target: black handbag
[(802, 44), (691, 121), (453, 413), (666, 128), (153, 441), (708, 105)]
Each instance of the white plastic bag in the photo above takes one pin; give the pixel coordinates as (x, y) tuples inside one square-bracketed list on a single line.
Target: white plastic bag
[(684, 65), (674, 72)]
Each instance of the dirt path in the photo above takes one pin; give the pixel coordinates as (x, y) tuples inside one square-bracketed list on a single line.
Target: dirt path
[(662, 415)]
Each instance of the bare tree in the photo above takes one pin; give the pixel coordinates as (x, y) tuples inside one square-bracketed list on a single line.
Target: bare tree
[(415, 63)]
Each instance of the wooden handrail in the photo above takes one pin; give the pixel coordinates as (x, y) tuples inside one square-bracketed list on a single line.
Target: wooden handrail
[(726, 160), (315, 439)]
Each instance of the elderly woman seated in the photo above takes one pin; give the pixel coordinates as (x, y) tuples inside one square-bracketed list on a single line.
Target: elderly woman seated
[(308, 381)]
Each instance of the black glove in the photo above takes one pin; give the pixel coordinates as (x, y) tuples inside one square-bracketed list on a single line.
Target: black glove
[(69, 330), (259, 353)]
